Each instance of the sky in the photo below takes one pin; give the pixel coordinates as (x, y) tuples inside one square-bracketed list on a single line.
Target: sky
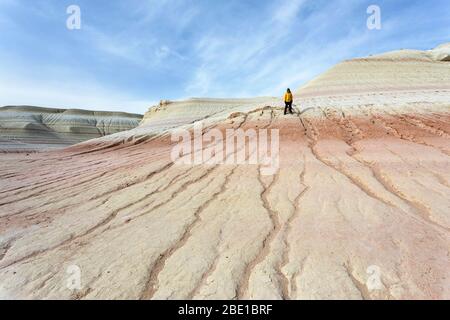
[(130, 54)]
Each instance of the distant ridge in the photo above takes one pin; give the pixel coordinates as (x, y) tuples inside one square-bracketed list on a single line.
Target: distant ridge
[(30, 128)]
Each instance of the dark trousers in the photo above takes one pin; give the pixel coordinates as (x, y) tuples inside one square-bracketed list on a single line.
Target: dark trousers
[(288, 105)]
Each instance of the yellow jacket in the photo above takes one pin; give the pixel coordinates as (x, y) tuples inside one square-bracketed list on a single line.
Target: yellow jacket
[(288, 97)]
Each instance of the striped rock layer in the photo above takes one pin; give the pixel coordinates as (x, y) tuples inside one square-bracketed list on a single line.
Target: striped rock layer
[(26, 128)]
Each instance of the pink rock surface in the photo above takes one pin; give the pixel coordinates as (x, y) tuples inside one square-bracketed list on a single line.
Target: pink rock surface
[(354, 193)]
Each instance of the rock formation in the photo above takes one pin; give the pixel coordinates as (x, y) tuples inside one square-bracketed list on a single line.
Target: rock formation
[(359, 208), (26, 128)]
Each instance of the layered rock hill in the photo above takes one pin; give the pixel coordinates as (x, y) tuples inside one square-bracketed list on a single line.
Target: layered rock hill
[(358, 209), (398, 77), (27, 128)]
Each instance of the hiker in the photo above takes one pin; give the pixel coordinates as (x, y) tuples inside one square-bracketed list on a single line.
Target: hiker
[(288, 100)]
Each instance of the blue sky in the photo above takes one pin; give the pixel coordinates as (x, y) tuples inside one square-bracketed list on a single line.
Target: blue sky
[(129, 54)]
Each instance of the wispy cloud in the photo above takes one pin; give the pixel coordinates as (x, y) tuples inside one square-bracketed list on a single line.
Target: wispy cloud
[(137, 50), (165, 52), (287, 11)]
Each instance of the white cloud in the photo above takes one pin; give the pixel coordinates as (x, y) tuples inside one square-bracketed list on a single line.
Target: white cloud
[(200, 84), (165, 52), (132, 49), (179, 14), (287, 10)]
